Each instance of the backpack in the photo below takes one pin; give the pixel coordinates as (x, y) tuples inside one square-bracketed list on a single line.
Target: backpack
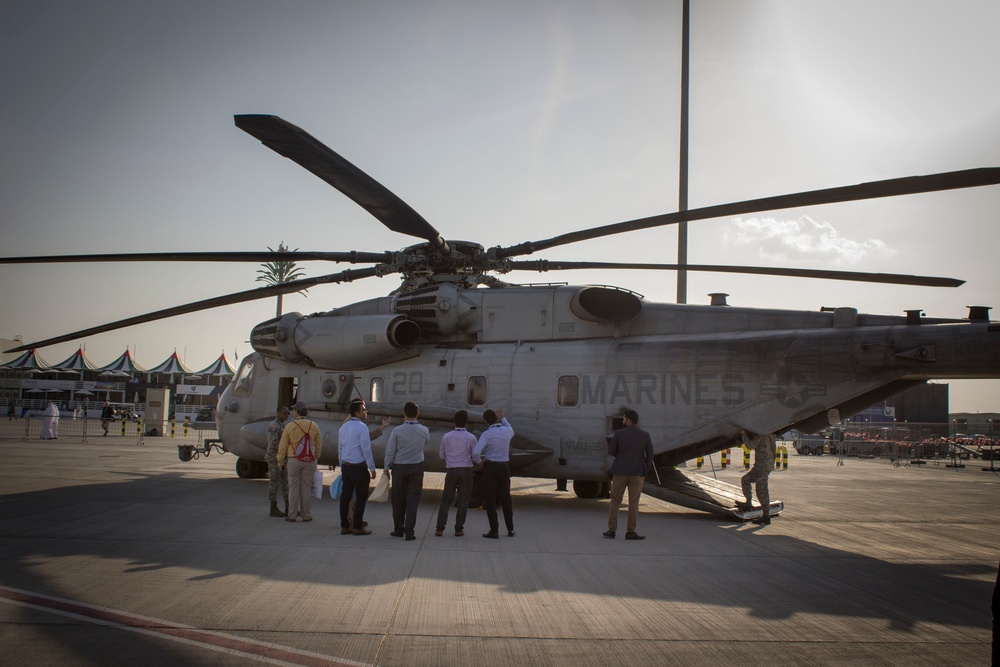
[(304, 450)]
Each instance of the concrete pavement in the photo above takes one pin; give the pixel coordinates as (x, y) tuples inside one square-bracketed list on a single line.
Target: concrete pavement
[(118, 554)]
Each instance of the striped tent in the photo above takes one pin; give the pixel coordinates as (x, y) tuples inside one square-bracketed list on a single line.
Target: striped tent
[(29, 361), (77, 362), (123, 365), (220, 367), (172, 366)]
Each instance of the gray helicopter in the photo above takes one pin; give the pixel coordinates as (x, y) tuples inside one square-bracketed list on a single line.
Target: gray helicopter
[(565, 361)]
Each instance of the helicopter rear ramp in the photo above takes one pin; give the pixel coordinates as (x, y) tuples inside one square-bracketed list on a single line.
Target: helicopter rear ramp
[(704, 493)]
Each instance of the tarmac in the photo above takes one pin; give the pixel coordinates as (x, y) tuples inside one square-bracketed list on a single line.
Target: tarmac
[(114, 553)]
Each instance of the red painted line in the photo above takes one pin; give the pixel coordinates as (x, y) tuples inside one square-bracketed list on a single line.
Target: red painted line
[(186, 634)]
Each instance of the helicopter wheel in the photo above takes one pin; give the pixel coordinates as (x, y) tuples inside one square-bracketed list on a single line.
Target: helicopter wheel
[(247, 469), (587, 488)]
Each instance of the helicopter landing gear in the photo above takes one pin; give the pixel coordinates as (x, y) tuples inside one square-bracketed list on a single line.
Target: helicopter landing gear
[(587, 488), (247, 469)]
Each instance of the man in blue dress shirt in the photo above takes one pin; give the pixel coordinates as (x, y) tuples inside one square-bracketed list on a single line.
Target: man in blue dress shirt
[(493, 449), (357, 467), (404, 456)]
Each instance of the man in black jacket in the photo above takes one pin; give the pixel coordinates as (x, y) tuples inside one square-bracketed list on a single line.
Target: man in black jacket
[(633, 452)]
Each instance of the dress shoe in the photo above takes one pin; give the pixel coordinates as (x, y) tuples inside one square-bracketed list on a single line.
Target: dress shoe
[(459, 533), (439, 532), (290, 518), (510, 533), (346, 531), (396, 533), (492, 536), (763, 521), (610, 534), (634, 536), (411, 537), (308, 519), (361, 531)]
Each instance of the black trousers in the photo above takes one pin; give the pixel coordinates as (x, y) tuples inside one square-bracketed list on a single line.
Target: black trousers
[(496, 489), (407, 486), (356, 480)]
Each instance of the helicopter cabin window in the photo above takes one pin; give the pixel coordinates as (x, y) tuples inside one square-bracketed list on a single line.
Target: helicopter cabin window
[(376, 391), (568, 391), (477, 390), (244, 379)]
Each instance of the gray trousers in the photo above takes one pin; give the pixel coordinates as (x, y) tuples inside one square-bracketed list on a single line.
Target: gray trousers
[(456, 480)]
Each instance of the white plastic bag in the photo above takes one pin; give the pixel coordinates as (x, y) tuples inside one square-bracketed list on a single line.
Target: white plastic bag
[(317, 485), (381, 492)]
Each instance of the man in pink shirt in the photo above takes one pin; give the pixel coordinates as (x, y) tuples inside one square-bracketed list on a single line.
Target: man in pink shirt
[(456, 451)]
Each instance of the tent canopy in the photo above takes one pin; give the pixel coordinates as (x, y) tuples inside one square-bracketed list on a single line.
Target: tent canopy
[(220, 367), (30, 360), (173, 364), (124, 364), (77, 362)]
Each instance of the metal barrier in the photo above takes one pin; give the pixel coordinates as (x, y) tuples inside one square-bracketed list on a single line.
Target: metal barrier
[(82, 430)]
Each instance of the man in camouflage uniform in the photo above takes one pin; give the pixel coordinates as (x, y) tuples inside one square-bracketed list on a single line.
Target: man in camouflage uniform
[(763, 464), (276, 475)]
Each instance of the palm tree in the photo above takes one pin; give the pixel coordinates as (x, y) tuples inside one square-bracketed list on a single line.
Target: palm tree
[(280, 272)]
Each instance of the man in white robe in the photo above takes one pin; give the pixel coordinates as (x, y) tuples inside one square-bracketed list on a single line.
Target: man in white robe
[(50, 422)]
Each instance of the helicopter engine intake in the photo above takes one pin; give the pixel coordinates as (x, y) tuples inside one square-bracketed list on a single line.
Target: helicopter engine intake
[(343, 342)]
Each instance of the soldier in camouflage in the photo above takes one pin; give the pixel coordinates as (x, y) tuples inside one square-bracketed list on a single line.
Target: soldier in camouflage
[(763, 463), (276, 475)]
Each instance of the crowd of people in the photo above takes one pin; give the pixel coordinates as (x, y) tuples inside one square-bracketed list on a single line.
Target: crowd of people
[(295, 446)]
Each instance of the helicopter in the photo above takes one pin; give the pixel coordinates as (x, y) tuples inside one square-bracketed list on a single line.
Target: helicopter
[(565, 361)]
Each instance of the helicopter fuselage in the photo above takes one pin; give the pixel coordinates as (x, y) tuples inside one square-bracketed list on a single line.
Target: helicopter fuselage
[(565, 361)]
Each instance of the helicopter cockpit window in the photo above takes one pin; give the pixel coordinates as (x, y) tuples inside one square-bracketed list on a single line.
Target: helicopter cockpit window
[(568, 390), (244, 379), (477, 390), (376, 393)]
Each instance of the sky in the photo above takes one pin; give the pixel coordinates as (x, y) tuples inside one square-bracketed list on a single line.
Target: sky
[(499, 123)]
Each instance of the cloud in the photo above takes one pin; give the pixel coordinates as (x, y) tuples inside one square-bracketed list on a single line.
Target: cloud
[(805, 239)]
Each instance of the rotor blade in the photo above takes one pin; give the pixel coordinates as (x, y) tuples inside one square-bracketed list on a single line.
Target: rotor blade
[(299, 146), (857, 276), (969, 178), (345, 276), (253, 256)]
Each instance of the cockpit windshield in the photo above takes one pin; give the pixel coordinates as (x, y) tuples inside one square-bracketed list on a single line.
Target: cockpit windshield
[(244, 379)]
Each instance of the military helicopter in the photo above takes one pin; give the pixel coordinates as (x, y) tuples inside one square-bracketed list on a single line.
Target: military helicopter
[(565, 361)]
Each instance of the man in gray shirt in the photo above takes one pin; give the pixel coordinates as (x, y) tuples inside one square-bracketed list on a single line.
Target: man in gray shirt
[(404, 457)]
